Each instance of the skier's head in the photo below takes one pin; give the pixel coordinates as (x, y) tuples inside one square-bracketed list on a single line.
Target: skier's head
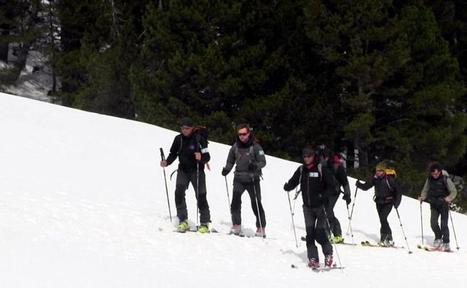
[(309, 156), (435, 169), (380, 169), (243, 132), (186, 126)]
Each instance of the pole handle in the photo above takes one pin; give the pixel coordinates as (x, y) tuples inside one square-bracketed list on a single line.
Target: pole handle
[(162, 154)]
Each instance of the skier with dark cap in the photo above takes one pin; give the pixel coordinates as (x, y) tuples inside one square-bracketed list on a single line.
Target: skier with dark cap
[(334, 164), (439, 191), (314, 184), (192, 152)]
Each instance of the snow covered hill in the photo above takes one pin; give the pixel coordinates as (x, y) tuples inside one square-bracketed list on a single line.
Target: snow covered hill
[(82, 204)]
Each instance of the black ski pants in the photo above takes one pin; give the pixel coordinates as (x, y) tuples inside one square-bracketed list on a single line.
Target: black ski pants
[(254, 190), (333, 221), (438, 210), (383, 212), (183, 180), (316, 226)]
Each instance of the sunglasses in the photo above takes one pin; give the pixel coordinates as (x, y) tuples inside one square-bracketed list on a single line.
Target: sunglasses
[(243, 134)]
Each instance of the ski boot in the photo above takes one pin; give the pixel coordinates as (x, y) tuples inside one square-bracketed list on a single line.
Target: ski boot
[(437, 243), (203, 228), (236, 229), (328, 261), (183, 226), (445, 247), (260, 232), (313, 263)]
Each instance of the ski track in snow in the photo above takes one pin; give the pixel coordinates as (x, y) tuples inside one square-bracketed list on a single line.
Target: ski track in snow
[(83, 204)]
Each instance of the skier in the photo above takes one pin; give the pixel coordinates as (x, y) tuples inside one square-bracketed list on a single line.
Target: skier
[(249, 158), (339, 178), (439, 191), (388, 193), (192, 151), (314, 183)]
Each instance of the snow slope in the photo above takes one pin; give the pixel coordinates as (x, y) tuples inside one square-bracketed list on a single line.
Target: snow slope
[(82, 204)]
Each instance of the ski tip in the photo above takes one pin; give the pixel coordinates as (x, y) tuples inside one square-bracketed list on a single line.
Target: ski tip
[(293, 266)]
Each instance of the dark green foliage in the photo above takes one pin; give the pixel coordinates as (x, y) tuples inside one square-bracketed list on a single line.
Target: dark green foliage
[(385, 77)]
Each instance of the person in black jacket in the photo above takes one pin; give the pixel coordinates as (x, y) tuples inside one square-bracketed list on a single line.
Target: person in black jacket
[(192, 152), (387, 194), (249, 158), (314, 184), (339, 176)]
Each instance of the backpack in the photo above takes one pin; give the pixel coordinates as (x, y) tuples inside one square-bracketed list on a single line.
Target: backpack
[(200, 133)]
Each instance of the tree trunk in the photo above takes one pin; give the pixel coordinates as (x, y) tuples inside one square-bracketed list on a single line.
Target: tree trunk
[(4, 46)]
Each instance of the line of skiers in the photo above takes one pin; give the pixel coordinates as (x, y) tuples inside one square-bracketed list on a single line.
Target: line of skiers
[(319, 179)]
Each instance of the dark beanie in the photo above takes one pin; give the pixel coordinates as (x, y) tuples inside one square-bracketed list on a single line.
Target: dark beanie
[(435, 166), (186, 121), (308, 151)]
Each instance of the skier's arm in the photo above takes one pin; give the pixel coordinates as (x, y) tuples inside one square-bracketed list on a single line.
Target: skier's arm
[(294, 181), (424, 193), (174, 150), (342, 179), (452, 190), (205, 156), (230, 160), (365, 186), (260, 157)]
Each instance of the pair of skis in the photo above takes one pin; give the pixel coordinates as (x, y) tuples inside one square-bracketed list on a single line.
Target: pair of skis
[(320, 268), (430, 248), (370, 244)]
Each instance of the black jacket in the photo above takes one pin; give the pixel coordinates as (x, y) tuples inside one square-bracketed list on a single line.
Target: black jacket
[(315, 184), (387, 189), (185, 148), (339, 179)]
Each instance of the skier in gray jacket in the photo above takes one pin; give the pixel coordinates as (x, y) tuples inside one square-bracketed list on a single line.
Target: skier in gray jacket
[(249, 158)]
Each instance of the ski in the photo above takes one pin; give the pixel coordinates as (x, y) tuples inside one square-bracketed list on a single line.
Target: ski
[(241, 234), (320, 269), (303, 238), (369, 244), (195, 229), (432, 248)]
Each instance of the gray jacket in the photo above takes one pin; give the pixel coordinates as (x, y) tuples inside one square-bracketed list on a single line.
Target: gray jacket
[(249, 159)]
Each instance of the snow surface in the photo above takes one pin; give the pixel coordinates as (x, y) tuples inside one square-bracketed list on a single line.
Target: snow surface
[(83, 204)]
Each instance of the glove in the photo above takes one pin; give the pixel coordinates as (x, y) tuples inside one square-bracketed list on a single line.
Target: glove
[(397, 202), (225, 171), (359, 184), (252, 166), (347, 199), (287, 187)]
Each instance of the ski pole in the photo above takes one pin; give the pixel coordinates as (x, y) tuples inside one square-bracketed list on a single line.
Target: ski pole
[(421, 220), (332, 235), (350, 225), (453, 230), (165, 181), (257, 205), (227, 188), (293, 222), (400, 222), (197, 194), (351, 211)]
